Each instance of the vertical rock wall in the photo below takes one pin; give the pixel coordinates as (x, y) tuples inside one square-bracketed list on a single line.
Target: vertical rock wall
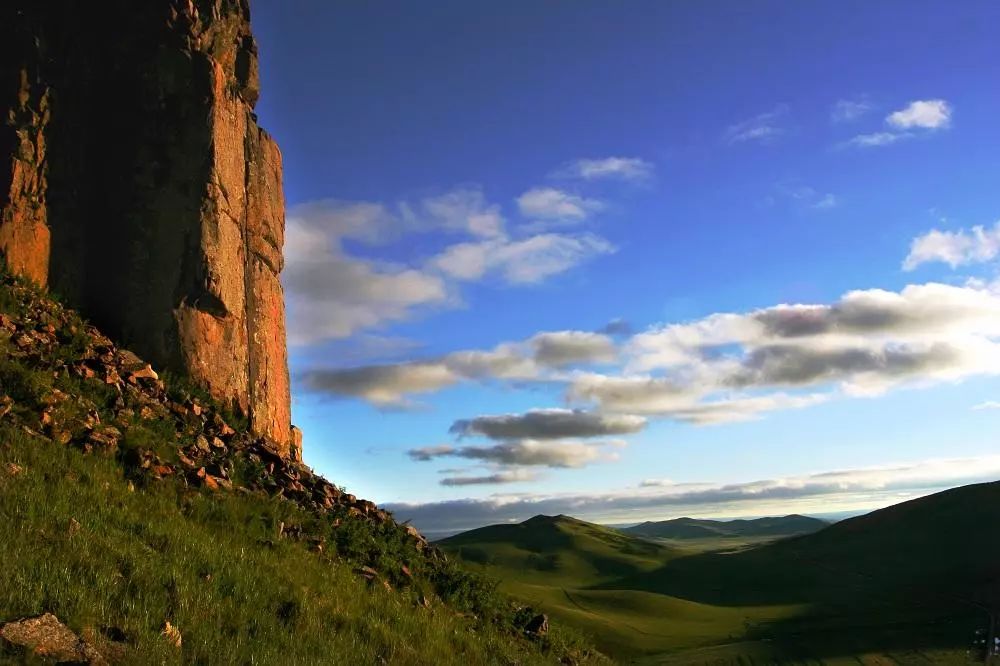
[(136, 183)]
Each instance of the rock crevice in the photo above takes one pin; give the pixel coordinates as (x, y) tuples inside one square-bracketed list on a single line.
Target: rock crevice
[(135, 182)]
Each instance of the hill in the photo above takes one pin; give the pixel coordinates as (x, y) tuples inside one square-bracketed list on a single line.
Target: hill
[(913, 581), (558, 548), (147, 519), (694, 528)]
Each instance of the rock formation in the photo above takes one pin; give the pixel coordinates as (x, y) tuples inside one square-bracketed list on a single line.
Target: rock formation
[(136, 184)]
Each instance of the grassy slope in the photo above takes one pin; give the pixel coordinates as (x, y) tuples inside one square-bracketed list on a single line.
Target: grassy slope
[(915, 574), (899, 583), (115, 554), (212, 565)]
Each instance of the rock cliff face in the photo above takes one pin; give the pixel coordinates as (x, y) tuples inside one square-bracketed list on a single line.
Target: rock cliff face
[(135, 183)]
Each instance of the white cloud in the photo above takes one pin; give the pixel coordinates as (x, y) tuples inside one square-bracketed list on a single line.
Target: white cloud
[(847, 110), (520, 262), (862, 488), (332, 294), (463, 209), (549, 424), (918, 116), (632, 169), (926, 114), (549, 203), (763, 128), (955, 248), (987, 405), (729, 367)]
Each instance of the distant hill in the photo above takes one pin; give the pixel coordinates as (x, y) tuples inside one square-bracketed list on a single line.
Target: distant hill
[(694, 528), (943, 543), (920, 573), (558, 547)]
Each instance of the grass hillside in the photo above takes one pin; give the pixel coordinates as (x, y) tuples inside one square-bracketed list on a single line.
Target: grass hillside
[(694, 528), (552, 549), (910, 583), (128, 502), (555, 562)]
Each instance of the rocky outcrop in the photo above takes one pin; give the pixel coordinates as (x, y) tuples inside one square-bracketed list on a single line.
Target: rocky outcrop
[(135, 182), (41, 336)]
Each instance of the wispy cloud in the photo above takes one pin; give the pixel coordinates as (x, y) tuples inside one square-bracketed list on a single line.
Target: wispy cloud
[(988, 405), (392, 385), (332, 293), (567, 453), (804, 196), (549, 424), (955, 248), (867, 487), (549, 203), (763, 128), (632, 169), (520, 262), (496, 478), (848, 110), (876, 139)]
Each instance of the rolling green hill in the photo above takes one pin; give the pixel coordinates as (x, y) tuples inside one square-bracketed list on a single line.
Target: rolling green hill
[(558, 549), (694, 528), (912, 582)]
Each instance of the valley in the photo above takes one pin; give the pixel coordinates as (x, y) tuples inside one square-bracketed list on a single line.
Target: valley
[(910, 583)]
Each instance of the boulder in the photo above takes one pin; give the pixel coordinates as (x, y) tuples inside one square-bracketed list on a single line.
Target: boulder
[(47, 637)]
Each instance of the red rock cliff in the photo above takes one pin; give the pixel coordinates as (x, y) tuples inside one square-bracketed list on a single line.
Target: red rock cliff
[(135, 182)]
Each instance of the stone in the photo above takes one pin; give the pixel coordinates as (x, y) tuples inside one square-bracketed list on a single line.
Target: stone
[(367, 572), (145, 372), (49, 638), (295, 452), (162, 217), (202, 444)]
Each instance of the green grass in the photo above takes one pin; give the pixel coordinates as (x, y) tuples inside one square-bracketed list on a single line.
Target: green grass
[(907, 584), (212, 565)]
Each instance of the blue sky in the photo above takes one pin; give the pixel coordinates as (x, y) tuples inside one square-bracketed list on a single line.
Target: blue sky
[(536, 252)]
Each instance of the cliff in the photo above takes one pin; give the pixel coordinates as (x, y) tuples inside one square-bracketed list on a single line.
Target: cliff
[(136, 183)]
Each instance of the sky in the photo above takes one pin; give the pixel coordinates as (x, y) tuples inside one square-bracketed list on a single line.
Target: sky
[(636, 260)]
